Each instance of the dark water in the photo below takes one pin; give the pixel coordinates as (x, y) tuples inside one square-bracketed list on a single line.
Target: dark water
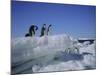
[(82, 41)]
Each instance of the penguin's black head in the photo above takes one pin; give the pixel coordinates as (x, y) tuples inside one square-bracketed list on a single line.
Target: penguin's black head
[(50, 25), (44, 25)]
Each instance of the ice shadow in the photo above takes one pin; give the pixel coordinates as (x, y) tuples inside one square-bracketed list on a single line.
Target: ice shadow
[(63, 56)]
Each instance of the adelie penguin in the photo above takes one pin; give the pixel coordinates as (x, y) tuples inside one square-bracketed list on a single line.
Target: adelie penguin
[(43, 30), (32, 30), (48, 30)]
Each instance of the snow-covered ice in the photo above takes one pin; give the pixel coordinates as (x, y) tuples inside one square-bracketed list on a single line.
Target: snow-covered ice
[(47, 53)]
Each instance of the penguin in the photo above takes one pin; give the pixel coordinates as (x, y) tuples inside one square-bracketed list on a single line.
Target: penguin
[(43, 30), (32, 30), (48, 30)]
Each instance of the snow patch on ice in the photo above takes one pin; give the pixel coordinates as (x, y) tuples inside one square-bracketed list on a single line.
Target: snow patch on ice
[(48, 53)]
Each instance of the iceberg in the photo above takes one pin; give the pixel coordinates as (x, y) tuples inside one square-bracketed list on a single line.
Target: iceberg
[(47, 53)]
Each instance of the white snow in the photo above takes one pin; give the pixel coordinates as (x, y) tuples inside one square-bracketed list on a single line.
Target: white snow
[(86, 38), (48, 53), (62, 66)]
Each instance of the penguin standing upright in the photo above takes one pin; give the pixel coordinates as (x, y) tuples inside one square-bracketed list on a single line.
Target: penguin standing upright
[(48, 30), (43, 30)]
